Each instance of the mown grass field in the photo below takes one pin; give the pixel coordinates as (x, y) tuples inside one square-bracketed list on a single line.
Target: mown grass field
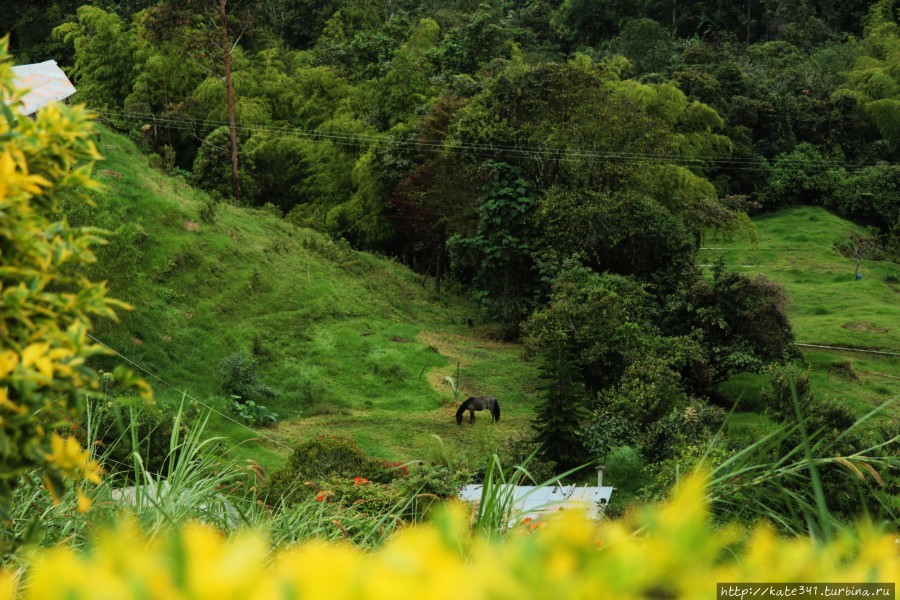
[(827, 307), (353, 343)]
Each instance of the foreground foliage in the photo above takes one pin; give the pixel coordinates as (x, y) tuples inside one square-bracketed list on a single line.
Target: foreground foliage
[(672, 550), (46, 306)]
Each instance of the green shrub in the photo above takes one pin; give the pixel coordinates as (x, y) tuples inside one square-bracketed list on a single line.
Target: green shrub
[(778, 395), (625, 470), (122, 430), (241, 382), (254, 414), (320, 459), (47, 302), (332, 469), (209, 208), (687, 426), (240, 379)]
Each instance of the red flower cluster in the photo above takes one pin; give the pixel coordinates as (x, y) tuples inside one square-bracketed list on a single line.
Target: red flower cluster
[(404, 471), (360, 481), (532, 524)]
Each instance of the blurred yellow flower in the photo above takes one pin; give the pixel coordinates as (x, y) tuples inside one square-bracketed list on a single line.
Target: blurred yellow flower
[(68, 456), (672, 550), (84, 503)]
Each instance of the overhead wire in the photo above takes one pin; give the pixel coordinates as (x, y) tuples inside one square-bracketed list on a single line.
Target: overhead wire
[(184, 122)]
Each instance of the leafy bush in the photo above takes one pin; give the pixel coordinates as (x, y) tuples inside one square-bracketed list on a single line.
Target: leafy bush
[(211, 170), (240, 378), (241, 382), (786, 383), (685, 427), (333, 470), (625, 470), (607, 430), (802, 176), (46, 308), (254, 414), (209, 208), (322, 458)]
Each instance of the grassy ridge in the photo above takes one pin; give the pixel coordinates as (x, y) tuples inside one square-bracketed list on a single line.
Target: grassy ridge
[(826, 304), (354, 344)]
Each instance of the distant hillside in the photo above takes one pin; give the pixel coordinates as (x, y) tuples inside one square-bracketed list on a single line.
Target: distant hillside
[(351, 343), (827, 305)]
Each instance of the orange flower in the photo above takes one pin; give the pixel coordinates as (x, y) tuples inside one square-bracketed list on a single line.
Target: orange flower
[(360, 481), (324, 495)]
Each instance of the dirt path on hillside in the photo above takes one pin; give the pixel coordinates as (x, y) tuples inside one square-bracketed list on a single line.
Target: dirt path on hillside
[(456, 348)]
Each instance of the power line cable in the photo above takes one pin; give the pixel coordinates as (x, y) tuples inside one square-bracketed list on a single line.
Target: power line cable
[(393, 140), (180, 122)]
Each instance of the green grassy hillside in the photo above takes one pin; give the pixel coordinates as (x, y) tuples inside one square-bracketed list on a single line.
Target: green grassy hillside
[(826, 304), (359, 345), (353, 343)]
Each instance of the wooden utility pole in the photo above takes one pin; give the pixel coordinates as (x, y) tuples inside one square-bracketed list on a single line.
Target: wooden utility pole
[(229, 90), (748, 22)]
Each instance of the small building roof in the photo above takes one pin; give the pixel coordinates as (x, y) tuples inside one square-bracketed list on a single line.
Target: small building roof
[(45, 82), (534, 501)]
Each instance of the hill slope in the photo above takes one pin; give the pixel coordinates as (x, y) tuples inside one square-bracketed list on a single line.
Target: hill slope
[(826, 304), (358, 345), (351, 340)]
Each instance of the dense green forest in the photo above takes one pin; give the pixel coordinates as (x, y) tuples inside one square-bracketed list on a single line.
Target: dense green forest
[(562, 163)]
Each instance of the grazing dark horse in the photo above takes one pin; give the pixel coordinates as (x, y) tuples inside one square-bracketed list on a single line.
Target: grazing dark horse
[(483, 403)]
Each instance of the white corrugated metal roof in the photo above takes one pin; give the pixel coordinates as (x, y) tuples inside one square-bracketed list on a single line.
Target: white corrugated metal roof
[(533, 501), (46, 83)]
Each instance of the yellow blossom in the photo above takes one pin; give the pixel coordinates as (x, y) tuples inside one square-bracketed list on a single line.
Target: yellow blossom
[(8, 362), (656, 552), (36, 355), (68, 456), (84, 503)]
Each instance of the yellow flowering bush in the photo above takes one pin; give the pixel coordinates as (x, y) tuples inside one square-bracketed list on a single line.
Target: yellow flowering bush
[(667, 551), (46, 306)]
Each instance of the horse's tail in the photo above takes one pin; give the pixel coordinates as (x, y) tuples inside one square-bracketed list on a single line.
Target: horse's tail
[(496, 410)]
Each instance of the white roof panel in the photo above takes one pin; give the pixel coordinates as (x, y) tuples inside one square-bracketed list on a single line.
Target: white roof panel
[(535, 501), (46, 83)]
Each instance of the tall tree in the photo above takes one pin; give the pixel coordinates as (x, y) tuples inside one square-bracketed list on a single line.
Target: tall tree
[(500, 255), (874, 81), (562, 411), (104, 56)]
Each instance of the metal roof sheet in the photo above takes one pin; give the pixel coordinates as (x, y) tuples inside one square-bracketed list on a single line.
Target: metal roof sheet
[(46, 83), (534, 501)]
